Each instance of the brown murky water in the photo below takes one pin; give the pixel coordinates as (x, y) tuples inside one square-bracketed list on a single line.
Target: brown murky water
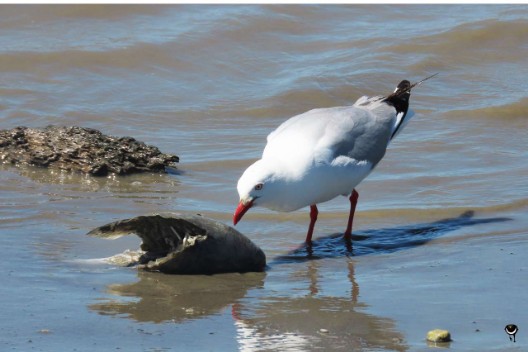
[(441, 224)]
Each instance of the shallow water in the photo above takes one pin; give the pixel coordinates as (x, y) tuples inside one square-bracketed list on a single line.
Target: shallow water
[(440, 226)]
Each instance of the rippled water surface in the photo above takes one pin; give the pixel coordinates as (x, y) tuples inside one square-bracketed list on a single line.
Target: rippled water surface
[(441, 225)]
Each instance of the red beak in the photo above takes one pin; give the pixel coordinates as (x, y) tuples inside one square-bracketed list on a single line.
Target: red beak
[(241, 210)]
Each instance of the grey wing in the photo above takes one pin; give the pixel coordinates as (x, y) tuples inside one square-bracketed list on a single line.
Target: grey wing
[(356, 133), (386, 112), (161, 233)]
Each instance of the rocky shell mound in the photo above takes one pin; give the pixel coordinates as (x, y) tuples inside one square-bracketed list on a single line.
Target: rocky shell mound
[(81, 149)]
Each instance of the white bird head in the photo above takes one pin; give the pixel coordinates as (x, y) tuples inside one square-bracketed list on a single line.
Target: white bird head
[(255, 187)]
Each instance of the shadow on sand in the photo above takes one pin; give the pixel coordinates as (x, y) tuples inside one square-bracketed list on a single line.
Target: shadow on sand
[(385, 240)]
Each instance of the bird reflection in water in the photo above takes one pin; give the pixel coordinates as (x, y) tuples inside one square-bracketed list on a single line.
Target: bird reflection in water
[(317, 307)]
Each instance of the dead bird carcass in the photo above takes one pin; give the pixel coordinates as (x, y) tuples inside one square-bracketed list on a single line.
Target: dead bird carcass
[(187, 244)]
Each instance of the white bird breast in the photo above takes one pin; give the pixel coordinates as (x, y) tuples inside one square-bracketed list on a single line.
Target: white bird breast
[(325, 181), (317, 184)]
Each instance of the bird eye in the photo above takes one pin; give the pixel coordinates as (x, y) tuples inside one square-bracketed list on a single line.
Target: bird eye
[(258, 187)]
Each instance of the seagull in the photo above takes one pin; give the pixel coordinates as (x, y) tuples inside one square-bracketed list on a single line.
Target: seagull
[(316, 156)]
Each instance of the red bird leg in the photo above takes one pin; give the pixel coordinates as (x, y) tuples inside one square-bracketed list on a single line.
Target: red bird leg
[(313, 219), (353, 202)]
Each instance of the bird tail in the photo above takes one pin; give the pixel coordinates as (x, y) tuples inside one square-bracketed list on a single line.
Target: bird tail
[(400, 100)]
